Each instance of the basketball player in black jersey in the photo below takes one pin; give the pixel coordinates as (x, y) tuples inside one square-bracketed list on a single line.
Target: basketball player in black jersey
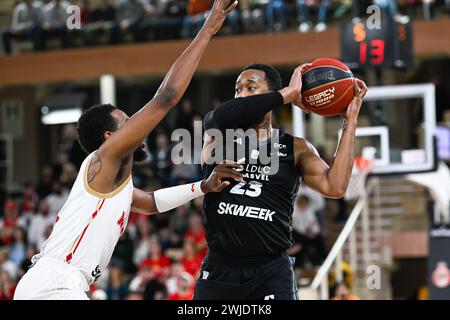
[(248, 224)]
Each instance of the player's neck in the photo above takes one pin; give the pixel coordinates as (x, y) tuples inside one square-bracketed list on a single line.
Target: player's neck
[(264, 130), (124, 170)]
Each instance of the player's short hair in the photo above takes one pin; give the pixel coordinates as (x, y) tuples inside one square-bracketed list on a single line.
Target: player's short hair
[(93, 124), (273, 77)]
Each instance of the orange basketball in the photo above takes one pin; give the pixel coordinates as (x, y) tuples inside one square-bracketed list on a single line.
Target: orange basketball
[(327, 87)]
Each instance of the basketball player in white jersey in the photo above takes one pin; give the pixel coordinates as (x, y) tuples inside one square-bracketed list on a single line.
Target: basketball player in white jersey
[(96, 213)]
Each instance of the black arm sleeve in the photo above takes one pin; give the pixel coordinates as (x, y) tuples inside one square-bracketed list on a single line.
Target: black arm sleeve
[(243, 112)]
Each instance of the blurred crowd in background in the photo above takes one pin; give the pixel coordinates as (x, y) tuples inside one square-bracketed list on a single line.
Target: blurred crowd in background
[(133, 21)]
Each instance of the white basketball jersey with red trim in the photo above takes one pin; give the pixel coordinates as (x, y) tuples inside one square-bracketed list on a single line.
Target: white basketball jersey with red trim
[(88, 226)]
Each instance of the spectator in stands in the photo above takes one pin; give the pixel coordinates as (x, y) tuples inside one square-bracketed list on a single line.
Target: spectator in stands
[(185, 116), (427, 7), (179, 225), (390, 7), (9, 222), (102, 22), (62, 157), (157, 260), (170, 19), (252, 15), (6, 264), (143, 241), (56, 199), (155, 290), (30, 200), (359, 9), (197, 11), (18, 247), (160, 159), (83, 34), (161, 222), (45, 185), (25, 25), (105, 12), (39, 223), (232, 23), (129, 19), (117, 288), (303, 7), (124, 252), (68, 176), (196, 233), (184, 287), (276, 15), (71, 145), (163, 20), (26, 263), (7, 286), (171, 283), (317, 202), (55, 22), (143, 175), (309, 244), (85, 12), (343, 292), (140, 280), (191, 259)]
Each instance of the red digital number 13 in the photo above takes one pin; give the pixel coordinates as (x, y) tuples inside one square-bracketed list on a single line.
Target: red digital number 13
[(376, 52)]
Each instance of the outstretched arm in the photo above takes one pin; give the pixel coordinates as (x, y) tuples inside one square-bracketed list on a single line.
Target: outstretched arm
[(167, 199), (128, 138), (123, 142), (332, 181), (243, 112)]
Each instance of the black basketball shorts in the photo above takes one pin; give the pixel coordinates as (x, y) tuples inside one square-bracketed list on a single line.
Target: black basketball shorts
[(272, 280)]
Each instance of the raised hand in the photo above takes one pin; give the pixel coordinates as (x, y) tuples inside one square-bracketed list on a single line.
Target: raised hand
[(227, 169), (351, 113), (296, 83), (218, 13)]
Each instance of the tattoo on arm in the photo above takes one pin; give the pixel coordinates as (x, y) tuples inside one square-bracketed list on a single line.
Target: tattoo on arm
[(94, 167)]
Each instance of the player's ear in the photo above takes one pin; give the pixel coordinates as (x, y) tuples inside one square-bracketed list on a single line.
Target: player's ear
[(107, 134)]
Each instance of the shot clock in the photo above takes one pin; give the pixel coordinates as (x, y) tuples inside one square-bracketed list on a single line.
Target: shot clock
[(389, 46)]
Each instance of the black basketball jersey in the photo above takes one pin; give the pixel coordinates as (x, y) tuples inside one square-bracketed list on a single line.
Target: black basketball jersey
[(252, 219)]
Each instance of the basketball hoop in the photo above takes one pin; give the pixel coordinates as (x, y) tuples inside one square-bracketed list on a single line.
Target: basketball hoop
[(361, 168)]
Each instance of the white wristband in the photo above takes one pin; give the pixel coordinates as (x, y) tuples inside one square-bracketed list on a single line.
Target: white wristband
[(169, 198)]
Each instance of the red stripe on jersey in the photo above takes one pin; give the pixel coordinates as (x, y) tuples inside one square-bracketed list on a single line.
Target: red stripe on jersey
[(101, 204), (79, 240), (98, 210), (121, 222), (70, 255)]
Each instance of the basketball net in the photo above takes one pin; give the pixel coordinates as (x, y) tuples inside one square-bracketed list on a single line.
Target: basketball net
[(361, 168)]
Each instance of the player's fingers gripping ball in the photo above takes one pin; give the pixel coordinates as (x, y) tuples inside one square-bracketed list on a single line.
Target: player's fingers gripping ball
[(327, 87)]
